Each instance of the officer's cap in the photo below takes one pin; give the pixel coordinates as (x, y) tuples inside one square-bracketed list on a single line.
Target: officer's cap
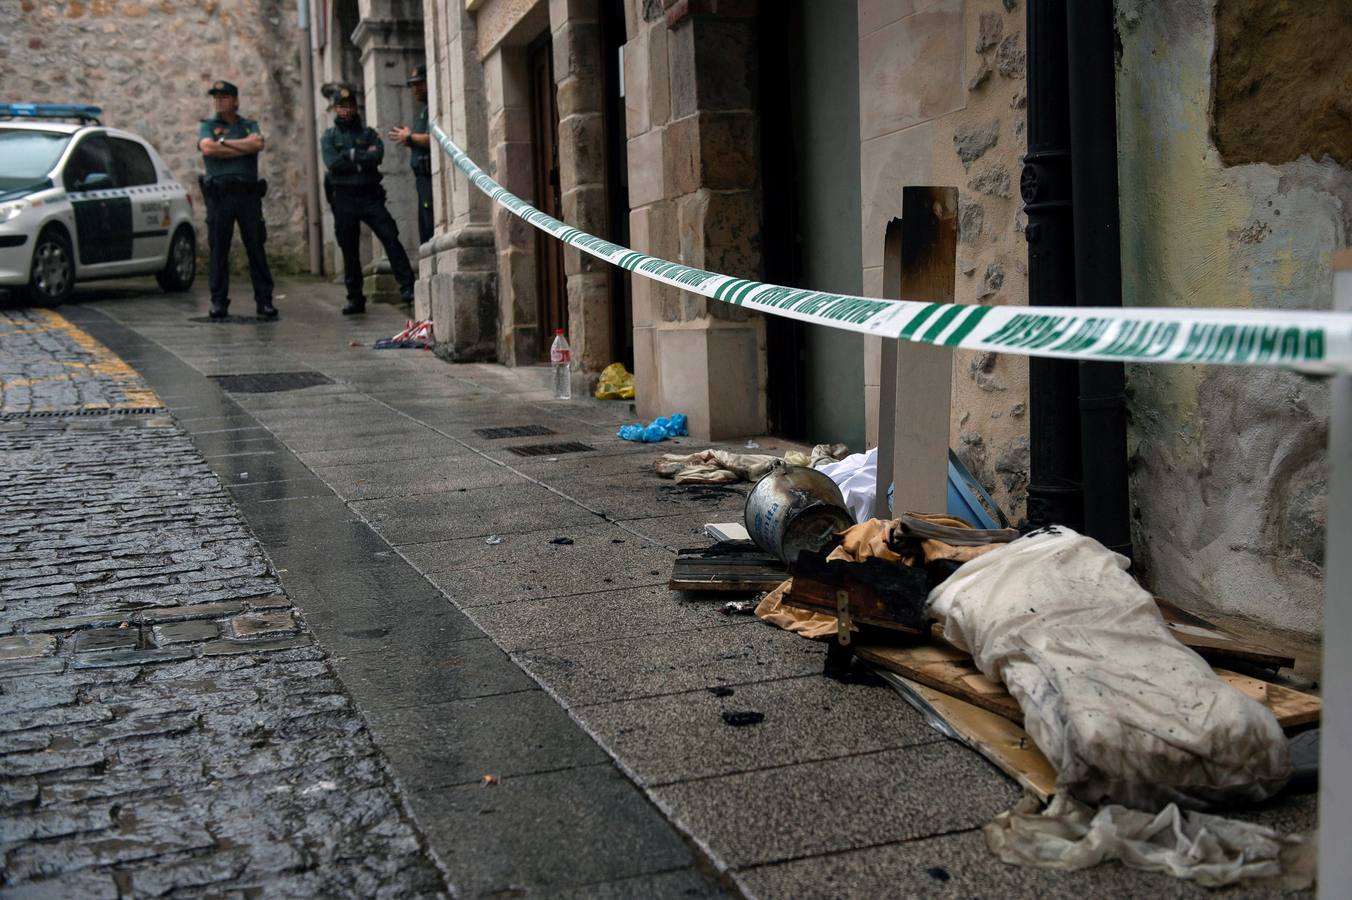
[(419, 74), (223, 89), (343, 94)]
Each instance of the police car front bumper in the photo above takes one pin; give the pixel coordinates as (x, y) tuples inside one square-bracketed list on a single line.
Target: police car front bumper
[(16, 251)]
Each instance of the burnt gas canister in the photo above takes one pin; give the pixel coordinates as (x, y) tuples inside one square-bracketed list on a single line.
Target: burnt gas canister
[(795, 508)]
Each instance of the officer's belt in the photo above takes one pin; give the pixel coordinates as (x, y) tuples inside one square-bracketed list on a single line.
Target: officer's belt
[(214, 186)]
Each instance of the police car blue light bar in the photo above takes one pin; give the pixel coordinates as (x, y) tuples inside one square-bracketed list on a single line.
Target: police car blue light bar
[(83, 112)]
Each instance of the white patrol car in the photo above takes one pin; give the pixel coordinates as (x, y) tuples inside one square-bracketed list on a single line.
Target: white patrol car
[(80, 202)]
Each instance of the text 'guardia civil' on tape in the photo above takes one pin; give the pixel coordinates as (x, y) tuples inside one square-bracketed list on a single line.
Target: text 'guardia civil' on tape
[(1311, 341)]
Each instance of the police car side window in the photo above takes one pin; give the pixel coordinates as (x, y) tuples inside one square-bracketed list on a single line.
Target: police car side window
[(90, 166), (133, 163)]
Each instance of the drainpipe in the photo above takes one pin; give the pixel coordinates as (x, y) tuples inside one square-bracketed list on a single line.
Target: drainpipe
[(1054, 491), (314, 238), (1098, 264)]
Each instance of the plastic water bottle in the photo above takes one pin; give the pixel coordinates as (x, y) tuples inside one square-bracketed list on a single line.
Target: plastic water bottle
[(561, 357)]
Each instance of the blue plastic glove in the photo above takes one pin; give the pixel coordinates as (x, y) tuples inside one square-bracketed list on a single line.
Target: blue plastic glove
[(661, 429)]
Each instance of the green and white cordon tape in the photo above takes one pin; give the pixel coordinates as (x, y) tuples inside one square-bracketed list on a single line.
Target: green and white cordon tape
[(1310, 341)]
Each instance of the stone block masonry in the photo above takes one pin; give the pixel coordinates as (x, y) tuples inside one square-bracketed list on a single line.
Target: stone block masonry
[(167, 723), (148, 64)]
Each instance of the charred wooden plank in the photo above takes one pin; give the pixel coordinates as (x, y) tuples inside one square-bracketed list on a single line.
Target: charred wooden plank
[(880, 593), (727, 566)]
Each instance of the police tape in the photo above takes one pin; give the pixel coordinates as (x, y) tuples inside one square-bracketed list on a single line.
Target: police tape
[(1310, 341)]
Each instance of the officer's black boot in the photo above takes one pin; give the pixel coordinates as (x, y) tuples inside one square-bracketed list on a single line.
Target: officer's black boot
[(266, 310), (219, 311), (354, 307)]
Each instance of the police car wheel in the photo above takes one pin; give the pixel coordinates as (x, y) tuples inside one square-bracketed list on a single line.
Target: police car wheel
[(52, 277), (181, 268)]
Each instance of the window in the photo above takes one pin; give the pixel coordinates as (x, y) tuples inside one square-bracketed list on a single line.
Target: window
[(92, 157), (26, 157), (133, 163)]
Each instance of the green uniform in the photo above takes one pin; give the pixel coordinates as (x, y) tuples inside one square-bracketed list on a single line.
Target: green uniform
[(420, 160), (238, 168), (352, 154), (234, 195)]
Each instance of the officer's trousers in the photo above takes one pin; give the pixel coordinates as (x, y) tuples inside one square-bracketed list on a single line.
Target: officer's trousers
[(225, 209), (352, 207), (425, 223)]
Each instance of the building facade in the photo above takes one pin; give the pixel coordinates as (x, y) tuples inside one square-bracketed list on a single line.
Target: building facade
[(797, 142)]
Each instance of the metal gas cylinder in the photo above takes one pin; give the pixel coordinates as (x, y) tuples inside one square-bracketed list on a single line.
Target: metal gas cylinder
[(794, 508)]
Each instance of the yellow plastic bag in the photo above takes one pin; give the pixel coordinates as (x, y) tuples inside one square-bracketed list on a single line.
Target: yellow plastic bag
[(616, 383)]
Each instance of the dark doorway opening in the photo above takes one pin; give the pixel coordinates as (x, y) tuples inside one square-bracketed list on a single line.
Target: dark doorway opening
[(551, 290), (617, 182), (809, 122), (786, 402)]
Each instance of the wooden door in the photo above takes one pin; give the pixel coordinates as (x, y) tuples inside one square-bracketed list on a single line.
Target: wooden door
[(551, 288)]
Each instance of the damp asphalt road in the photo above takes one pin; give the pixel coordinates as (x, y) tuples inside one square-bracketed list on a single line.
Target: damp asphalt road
[(549, 719)]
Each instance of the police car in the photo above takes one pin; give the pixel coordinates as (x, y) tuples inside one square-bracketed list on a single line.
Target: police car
[(79, 201)]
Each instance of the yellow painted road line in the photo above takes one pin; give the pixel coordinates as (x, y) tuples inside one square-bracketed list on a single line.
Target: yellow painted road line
[(103, 363)]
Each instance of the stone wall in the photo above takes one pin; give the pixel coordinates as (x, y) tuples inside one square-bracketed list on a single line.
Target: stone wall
[(148, 64), (1229, 464), (941, 97), (691, 118), (457, 287)]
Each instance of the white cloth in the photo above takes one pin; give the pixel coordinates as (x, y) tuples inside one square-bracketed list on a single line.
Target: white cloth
[(1207, 849), (1122, 710), (857, 477), (725, 466)]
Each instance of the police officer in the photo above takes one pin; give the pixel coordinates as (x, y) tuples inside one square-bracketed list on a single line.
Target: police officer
[(230, 145), (419, 141), (352, 153)]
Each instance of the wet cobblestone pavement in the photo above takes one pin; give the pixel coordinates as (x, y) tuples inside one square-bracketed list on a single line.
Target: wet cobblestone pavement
[(49, 365), (167, 724)]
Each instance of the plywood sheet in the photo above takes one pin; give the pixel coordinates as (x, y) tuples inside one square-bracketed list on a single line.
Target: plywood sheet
[(996, 738), (949, 670)]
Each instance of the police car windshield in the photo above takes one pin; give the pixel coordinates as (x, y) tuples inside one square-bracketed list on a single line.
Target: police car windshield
[(26, 157)]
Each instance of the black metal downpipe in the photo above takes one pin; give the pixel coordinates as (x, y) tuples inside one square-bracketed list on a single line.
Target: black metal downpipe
[(1098, 264), (1054, 491)]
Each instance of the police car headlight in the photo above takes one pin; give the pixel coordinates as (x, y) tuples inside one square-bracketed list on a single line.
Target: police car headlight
[(11, 211)]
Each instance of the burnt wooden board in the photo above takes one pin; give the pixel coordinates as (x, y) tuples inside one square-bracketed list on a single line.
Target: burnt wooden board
[(880, 593), (951, 671), (738, 566)]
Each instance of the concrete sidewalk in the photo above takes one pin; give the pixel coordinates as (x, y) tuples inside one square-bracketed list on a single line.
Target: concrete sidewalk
[(565, 670)]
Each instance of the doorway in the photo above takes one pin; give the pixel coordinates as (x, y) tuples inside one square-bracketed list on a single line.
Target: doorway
[(551, 290), (809, 105), (617, 182)]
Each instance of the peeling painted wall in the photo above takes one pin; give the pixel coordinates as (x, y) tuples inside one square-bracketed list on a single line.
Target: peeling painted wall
[(149, 64), (1228, 464)]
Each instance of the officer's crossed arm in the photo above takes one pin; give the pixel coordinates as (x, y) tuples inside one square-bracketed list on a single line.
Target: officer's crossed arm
[(346, 160), (369, 148), (334, 161), (248, 145), (229, 148)]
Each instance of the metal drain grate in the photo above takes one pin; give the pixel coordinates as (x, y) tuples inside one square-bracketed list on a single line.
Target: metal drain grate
[(551, 449), (512, 431), (82, 413), (270, 382)]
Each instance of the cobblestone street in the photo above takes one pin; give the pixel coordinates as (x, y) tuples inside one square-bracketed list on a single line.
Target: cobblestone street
[(167, 723)]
